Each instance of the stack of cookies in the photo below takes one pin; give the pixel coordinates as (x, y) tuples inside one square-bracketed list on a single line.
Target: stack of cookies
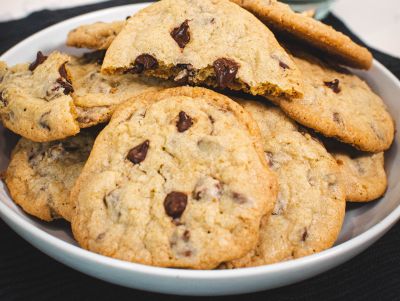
[(198, 134)]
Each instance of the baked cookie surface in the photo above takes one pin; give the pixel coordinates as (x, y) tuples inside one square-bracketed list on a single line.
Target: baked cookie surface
[(362, 174), (209, 42), (170, 182), (310, 207), (40, 176), (96, 95), (94, 36), (281, 17), (35, 99), (339, 104)]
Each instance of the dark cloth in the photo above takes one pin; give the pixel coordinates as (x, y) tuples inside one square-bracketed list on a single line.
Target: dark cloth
[(28, 274)]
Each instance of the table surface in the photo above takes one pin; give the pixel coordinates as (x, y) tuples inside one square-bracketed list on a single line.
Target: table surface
[(28, 274)]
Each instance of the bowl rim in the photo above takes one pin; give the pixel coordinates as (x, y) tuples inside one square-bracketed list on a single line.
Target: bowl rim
[(16, 221)]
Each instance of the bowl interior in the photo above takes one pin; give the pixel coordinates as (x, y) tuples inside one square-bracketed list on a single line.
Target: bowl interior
[(359, 217)]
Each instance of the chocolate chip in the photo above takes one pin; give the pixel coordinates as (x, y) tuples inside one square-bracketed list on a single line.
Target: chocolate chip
[(187, 253), (95, 56), (239, 198), (43, 123), (143, 62), (337, 118), (62, 71), (139, 152), (333, 85), (184, 122), (175, 203), (181, 34), (225, 71), (128, 17), (305, 235), (63, 81), (186, 236), (3, 100), (283, 65), (40, 58), (67, 87)]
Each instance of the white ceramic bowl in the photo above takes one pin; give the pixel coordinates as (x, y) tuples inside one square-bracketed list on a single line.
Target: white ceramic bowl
[(363, 225)]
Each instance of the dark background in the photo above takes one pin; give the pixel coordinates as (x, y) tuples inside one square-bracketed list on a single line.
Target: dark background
[(28, 274)]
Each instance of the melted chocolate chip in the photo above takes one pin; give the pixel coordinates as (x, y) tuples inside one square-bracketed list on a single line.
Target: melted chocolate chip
[(333, 85), (95, 56), (305, 235), (239, 198), (175, 203), (63, 81), (62, 71), (187, 253), (143, 62), (283, 65), (40, 58), (181, 34), (139, 152), (43, 123), (3, 100), (184, 122), (186, 236), (337, 118), (225, 71), (67, 87)]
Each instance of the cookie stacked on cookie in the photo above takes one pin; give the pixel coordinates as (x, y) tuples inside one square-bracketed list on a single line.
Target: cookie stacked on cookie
[(184, 176)]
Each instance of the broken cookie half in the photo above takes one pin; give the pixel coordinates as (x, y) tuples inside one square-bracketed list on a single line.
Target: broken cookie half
[(213, 43), (35, 100)]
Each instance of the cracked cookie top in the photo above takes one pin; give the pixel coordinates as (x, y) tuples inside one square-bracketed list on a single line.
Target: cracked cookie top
[(170, 182)]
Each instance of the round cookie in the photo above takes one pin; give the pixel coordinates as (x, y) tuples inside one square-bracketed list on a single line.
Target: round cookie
[(94, 36), (40, 176), (362, 174), (339, 104), (208, 42), (96, 95), (280, 17), (310, 207), (364, 177), (35, 99), (170, 182)]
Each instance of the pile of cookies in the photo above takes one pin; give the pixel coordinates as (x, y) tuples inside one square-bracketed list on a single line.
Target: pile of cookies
[(198, 134)]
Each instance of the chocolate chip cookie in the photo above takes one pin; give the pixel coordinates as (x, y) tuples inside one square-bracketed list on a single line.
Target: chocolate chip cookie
[(214, 43), (41, 175), (35, 100), (170, 182), (94, 36), (362, 174), (310, 207), (339, 104), (281, 18), (96, 95)]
